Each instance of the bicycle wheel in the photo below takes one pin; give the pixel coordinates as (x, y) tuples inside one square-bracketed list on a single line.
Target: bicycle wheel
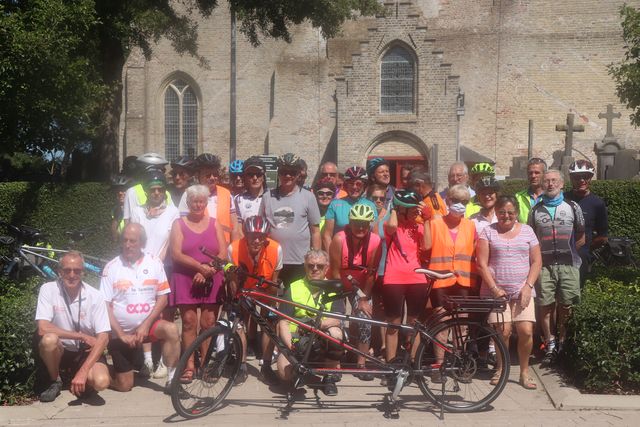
[(466, 379), (214, 377)]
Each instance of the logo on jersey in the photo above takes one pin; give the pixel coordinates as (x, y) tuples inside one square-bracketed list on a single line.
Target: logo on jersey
[(138, 308)]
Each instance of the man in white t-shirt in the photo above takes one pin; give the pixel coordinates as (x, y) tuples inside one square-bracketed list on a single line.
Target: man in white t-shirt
[(156, 215), (73, 331), (135, 287)]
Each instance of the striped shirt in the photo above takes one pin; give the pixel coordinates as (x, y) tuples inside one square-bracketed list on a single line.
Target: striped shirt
[(508, 258)]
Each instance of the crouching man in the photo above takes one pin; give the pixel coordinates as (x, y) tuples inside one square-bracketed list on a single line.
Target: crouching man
[(136, 290), (316, 265), (73, 331)]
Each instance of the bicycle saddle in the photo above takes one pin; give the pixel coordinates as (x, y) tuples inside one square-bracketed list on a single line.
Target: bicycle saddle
[(434, 274), (327, 285)]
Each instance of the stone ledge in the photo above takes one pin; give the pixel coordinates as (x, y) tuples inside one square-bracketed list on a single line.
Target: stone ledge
[(569, 398)]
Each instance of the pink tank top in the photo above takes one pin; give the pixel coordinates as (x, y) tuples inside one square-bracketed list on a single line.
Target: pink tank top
[(360, 276)]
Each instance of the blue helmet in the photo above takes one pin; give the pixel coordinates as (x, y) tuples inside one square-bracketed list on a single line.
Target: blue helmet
[(236, 167), (372, 164)]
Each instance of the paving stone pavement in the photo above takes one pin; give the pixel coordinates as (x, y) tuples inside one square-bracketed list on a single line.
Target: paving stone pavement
[(357, 404)]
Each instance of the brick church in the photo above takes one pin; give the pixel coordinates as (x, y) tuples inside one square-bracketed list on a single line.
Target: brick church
[(428, 82)]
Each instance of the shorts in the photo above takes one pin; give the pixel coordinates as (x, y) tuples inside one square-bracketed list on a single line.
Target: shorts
[(71, 361), (558, 283), (437, 295), (515, 313), (394, 297), (124, 357)]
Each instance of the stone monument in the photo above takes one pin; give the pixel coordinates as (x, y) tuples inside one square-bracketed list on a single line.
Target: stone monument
[(568, 128), (608, 148)]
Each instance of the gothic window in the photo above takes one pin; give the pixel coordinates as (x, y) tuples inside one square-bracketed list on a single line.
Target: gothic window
[(397, 74), (180, 120)]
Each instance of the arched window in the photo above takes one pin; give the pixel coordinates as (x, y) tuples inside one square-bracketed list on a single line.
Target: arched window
[(180, 121), (397, 85)]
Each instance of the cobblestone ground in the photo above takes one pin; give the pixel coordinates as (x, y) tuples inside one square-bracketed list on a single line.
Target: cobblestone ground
[(357, 403)]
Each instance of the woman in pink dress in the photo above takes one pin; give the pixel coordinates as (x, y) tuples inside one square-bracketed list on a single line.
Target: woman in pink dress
[(196, 284)]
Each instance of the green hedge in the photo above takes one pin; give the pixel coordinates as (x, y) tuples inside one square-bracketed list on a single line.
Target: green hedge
[(57, 208), (18, 306), (602, 352)]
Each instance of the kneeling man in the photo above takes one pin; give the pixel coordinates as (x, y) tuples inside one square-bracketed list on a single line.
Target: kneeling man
[(135, 287), (73, 331), (316, 265)]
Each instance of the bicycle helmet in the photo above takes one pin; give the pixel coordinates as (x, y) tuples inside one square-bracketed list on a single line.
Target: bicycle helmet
[(361, 212), (236, 167), (488, 182), (582, 166), (121, 181), (208, 160), (183, 162), (406, 199), (482, 169), (152, 159), (355, 172), (154, 178), (288, 160), (255, 224), (254, 162), (372, 164)]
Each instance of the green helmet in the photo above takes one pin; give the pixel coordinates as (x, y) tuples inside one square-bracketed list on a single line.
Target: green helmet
[(406, 199), (482, 169), (361, 212)]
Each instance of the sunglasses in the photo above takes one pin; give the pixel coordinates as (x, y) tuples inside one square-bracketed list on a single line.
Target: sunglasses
[(316, 266), (177, 172), (378, 198), (536, 161), (254, 174), (287, 172), (329, 174), (463, 201), (77, 271), (581, 176), (325, 193), (155, 190)]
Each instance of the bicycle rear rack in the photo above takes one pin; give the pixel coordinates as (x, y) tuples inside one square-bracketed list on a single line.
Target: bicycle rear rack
[(474, 304)]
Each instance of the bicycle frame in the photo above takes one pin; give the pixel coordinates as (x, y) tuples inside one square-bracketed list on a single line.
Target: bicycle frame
[(249, 301)]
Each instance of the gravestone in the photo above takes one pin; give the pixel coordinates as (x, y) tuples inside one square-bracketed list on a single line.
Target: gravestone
[(626, 165), (607, 149), (568, 128)]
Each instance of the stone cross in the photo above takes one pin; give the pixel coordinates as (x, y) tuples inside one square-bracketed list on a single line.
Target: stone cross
[(609, 115), (569, 128)]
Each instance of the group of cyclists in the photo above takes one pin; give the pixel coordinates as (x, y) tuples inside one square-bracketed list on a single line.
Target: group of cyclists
[(352, 226)]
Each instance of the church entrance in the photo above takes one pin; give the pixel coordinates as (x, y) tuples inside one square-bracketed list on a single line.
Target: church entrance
[(403, 152)]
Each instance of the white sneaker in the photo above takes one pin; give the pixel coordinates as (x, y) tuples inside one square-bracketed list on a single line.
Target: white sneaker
[(161, 371), (146, 369)]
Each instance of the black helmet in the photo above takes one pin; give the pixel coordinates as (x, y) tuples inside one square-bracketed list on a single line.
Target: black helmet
[(154, 178), (289, 160), (208, 160), (121, 181), (406, 199), (488, 181), (254, 162), (184, 162)]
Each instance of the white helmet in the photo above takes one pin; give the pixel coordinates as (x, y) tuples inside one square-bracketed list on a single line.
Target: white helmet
[(582, 166), (152, 159)]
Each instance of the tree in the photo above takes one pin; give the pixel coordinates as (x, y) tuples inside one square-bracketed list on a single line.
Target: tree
[(63, 59), (49, 89), (627, 73)]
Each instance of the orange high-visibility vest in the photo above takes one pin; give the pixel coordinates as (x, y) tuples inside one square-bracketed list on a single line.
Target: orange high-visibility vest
[(458, 257), (267, 260), (223, 211)]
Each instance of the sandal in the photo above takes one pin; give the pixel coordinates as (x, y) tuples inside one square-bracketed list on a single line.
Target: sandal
[(187, 376), (528, 383), (495, 379)]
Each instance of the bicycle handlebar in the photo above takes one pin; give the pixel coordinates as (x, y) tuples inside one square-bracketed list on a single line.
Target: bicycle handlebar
[(226, 266)]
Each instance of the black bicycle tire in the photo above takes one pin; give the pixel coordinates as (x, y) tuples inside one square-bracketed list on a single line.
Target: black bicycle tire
[(177, 387), (472, 406)]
